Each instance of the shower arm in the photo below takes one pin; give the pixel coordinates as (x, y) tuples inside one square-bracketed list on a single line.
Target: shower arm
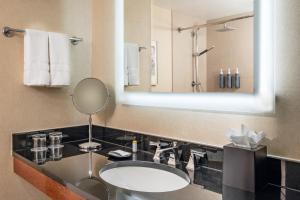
[(180, 29), (204, 52)]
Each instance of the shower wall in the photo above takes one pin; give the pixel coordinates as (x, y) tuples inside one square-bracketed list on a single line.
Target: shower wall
[(182, 53), (138, 31), (175, 50), (233, 49), (146, 22), (161, 32)]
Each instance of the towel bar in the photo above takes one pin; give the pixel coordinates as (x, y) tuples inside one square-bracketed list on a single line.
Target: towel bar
[(9, 32), (142, 48)]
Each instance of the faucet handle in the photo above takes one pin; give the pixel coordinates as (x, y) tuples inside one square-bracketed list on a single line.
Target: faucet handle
[(175, 143), (154, 143), (191, 163), (160, 150), (172, 159), (201, 154), (163, 144)]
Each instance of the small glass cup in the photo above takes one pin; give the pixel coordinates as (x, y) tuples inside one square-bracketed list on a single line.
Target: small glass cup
[(39, 141), (39, 148), (55, 138), (55, 146), (56, 152), (40, 155)]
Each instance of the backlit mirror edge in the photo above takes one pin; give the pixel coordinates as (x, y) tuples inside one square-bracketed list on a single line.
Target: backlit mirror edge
[(261, 102)]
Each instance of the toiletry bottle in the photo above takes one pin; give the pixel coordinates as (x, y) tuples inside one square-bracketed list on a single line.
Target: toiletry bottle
[(134, 146), (237, 79), (134, 157), (229, 79), (221, 79)]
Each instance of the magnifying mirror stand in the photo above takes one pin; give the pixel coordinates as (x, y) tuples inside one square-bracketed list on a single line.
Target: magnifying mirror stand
[(90, 146)]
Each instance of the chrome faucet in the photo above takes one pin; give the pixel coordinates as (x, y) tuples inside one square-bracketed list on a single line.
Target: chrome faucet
[(173, 156), (191, 164)]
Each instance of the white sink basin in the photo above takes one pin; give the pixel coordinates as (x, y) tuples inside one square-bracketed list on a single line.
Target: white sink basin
[(144, 176)]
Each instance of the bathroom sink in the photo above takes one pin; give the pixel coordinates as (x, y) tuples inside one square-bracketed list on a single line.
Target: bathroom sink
[(143, 176)]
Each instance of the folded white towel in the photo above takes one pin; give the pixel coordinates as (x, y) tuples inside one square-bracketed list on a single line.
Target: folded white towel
[(133, 63), (36, 59), (59, 54)]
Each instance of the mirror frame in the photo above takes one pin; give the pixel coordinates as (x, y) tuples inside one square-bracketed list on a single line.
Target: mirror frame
[(262, 101)]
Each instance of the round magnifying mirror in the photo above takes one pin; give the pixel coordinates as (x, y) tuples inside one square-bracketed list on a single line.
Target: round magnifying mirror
[(89, 97)]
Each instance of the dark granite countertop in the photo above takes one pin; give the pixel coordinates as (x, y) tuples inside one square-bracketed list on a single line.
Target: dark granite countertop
[(72, 171)]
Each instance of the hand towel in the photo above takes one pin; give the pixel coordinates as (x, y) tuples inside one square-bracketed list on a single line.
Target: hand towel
[(133, 63), (59, 54), (36, 59)]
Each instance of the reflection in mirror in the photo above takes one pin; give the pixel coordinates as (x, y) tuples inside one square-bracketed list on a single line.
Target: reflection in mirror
[(189, 46)]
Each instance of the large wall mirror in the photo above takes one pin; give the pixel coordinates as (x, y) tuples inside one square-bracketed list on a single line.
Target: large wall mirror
[(189, 46), (196, 54)]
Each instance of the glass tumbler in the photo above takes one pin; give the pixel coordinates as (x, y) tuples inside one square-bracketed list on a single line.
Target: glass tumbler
[(55, 138), (39, 141), (39, 148)]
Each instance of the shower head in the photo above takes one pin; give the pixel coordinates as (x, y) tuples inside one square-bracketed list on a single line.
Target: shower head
[(205, 51), (226, 28)]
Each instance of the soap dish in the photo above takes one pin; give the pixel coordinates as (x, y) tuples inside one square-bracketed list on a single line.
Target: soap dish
[(119, 154)]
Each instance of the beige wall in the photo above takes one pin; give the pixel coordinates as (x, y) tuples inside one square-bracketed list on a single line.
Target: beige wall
[(138, 31), (161, 32), (174, 50), (27, 108), (175, 69), (203, 127), (233, 49), (182, 53)]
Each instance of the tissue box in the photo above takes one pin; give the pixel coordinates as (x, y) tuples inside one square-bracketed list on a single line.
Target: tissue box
[(244, 168)]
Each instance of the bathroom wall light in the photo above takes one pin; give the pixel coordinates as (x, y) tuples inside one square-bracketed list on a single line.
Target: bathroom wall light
[(261, 101)]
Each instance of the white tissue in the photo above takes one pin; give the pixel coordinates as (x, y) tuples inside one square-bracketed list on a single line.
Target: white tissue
[(245, 138)]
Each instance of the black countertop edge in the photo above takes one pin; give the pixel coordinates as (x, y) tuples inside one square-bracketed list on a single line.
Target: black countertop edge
[(59, 180), (39, 168)]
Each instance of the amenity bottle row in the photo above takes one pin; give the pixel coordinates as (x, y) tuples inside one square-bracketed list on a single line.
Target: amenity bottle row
[(229, 80)]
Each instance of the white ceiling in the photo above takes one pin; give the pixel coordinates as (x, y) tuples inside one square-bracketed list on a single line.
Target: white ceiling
[(207, 9)]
